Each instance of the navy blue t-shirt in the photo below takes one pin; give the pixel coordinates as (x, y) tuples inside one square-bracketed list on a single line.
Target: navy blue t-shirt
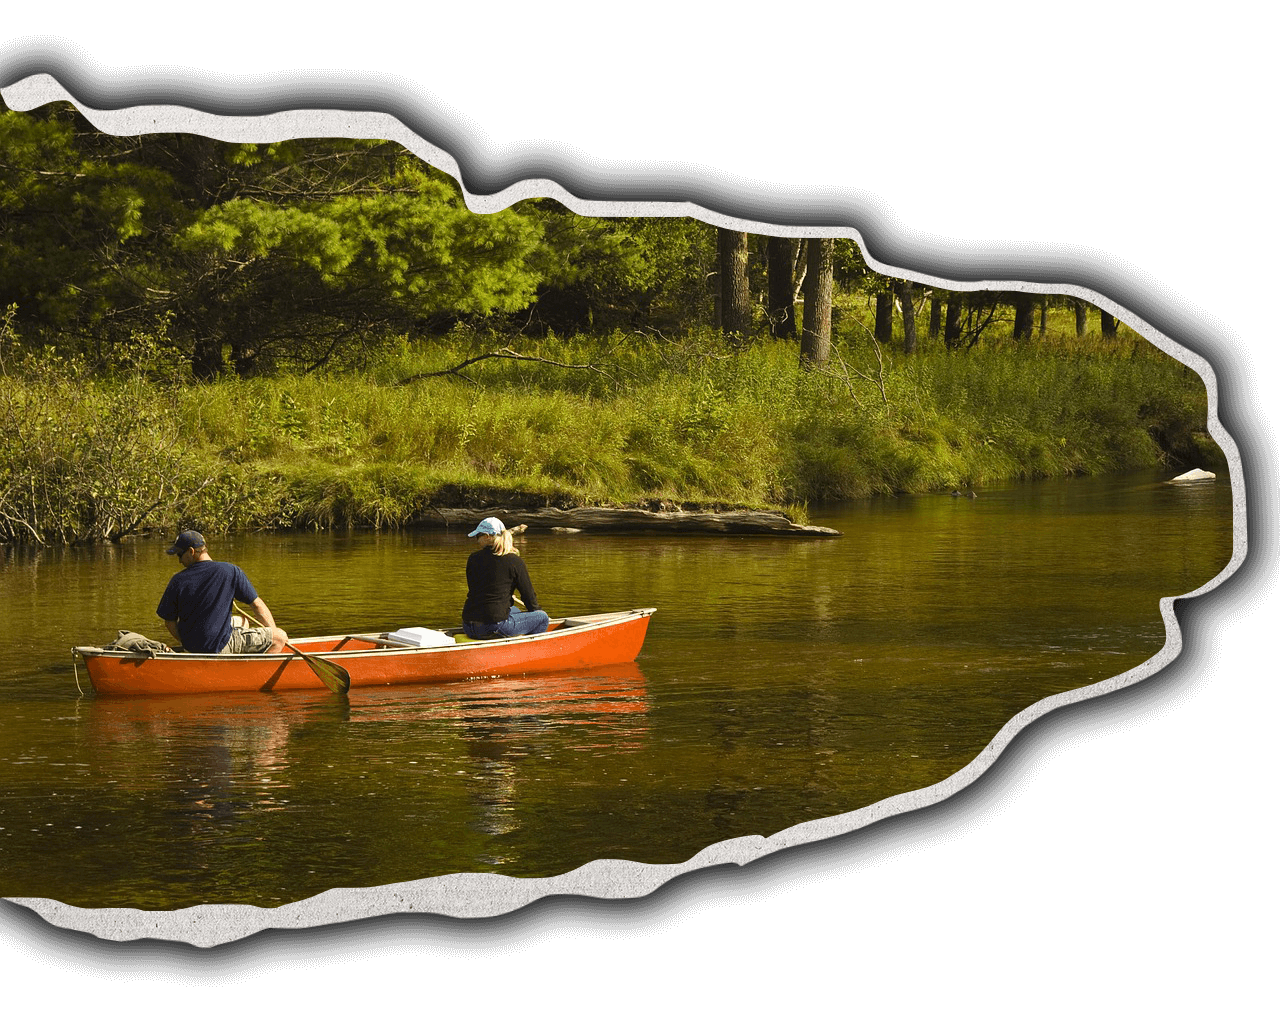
[(199, 598)]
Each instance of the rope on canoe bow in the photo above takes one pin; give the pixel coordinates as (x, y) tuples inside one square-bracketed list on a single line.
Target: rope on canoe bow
[(75, 666)]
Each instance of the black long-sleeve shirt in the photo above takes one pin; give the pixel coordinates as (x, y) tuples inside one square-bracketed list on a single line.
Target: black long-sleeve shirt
[(491, 579)]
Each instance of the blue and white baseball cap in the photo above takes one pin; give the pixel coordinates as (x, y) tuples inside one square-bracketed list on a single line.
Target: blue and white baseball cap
[(490, 525)]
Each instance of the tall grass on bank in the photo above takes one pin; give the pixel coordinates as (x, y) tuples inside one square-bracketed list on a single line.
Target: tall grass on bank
[(86, 461), (687, 422)]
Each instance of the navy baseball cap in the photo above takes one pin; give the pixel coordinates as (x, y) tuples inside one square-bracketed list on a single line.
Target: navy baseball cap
[(185, 541)]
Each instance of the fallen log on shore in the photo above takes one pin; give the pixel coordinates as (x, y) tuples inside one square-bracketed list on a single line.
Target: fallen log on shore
[(636, 520)]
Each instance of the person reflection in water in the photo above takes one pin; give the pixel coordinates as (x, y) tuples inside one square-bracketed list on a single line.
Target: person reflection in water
[(494, 573)]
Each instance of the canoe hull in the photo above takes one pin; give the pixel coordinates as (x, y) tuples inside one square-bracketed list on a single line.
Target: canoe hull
[(573, 643)]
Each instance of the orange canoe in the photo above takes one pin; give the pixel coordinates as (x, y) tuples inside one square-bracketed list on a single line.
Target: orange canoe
[(569, 643)]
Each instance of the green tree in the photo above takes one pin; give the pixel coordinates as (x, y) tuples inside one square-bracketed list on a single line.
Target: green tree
[(849, 269), (280, 252), (735, 292), (74, 208), (274, 280), (782, 252), (935, 314), (884, 315), (968, 316), (1024, 309), (600, 274), (815, 340), (906, 297)]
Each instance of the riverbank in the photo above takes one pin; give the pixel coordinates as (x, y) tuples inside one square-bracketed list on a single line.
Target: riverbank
[(622, 422)]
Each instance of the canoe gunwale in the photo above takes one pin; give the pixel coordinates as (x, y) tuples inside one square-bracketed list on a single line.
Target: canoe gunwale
[(566, 626)]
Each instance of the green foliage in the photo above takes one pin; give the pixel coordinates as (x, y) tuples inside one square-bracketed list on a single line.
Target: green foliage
[(601, 274), (692, 426), (68, 216), (315, 253), (849, 268), (132, 267), (272, 252), (86, 461), (278, 279)]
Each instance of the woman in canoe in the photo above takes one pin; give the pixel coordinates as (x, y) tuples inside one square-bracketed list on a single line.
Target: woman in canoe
[(494, 573)]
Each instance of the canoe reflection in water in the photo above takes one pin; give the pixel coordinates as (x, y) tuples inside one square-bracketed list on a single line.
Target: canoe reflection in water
[(212, 766), (584, 696)]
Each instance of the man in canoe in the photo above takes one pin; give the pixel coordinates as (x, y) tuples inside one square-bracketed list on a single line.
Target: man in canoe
[(196, 605), (494, 573)]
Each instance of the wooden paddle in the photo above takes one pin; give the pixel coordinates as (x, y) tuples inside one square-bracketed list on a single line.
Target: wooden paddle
[(335, 678)]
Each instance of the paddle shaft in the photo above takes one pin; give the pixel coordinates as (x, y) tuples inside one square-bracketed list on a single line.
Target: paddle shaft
[(334, 677)]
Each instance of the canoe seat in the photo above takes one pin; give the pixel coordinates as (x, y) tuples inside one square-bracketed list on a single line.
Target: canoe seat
[(459, 637)]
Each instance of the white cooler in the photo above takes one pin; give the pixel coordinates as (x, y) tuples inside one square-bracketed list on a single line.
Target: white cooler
[(420, 637)]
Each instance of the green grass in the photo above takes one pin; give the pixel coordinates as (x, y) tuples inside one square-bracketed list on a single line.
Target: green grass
[(684, 422)]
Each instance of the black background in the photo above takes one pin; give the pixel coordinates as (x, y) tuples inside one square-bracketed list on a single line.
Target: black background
[(1109, 828)]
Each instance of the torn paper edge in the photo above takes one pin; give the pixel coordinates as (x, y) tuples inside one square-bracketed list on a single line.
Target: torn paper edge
[(815, 213)]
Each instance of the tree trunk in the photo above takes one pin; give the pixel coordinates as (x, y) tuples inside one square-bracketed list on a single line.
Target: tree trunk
[(1024, 312), (951, 332), (884, 317), (905, 288), (1108, 325), (634, 520), (206, 358), (782, 292), (935, 316), (735, 295), (1082, 319), (800, 268), (815, 340), (1044, 314)]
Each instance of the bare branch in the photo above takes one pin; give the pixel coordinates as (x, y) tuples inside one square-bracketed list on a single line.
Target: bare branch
[(505, 353), (843, 374)]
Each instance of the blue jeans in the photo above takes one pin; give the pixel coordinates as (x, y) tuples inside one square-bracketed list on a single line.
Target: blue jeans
[(518, 622)]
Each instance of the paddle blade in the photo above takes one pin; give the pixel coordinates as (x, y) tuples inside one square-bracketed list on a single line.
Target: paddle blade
[(335, 678)]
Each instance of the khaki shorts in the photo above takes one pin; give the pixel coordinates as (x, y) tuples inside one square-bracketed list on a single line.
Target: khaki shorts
[(248, 640)]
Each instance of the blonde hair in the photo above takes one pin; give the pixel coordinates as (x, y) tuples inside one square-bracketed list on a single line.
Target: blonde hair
[(503, 543)]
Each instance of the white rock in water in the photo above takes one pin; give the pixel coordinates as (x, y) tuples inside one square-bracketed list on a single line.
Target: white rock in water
[(1194, 474)]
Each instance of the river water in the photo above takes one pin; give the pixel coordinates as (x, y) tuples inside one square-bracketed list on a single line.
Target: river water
[(782, 680)]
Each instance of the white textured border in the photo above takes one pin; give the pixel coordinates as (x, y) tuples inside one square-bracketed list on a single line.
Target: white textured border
[(484, 895)]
